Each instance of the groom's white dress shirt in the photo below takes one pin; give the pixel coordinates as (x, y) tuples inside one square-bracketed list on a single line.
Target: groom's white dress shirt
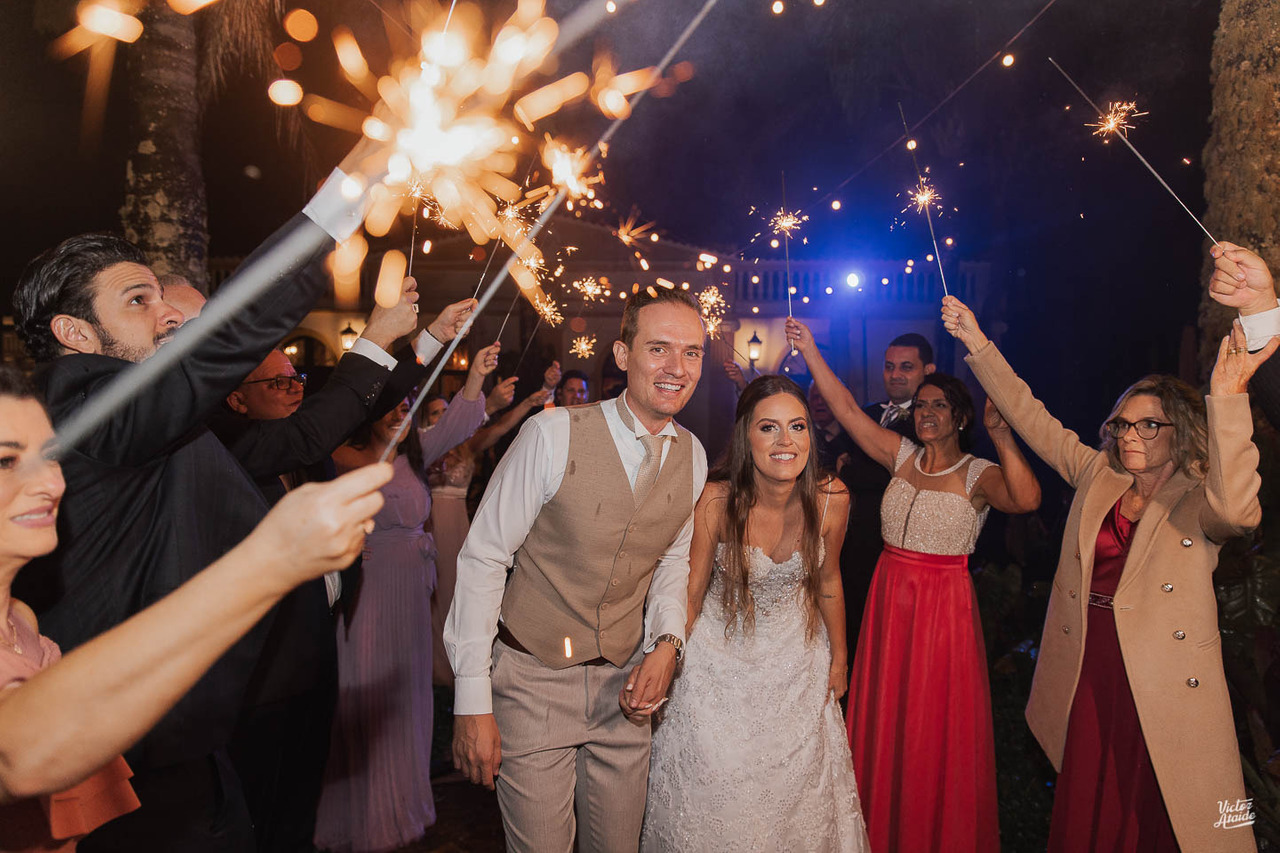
[(528, 476)]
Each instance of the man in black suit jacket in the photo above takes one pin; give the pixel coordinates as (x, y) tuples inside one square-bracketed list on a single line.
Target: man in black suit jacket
[(281, 742), (907, 361), (153, 496)]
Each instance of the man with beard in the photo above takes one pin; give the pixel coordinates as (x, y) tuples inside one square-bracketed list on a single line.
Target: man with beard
[(153, 496)]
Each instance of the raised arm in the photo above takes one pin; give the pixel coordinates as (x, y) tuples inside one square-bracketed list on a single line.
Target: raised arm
[(1232, 481), (70, 719), (465, 413), (1010, 486), (878, 443), (830, 586), (1058, 446), (488, 436)]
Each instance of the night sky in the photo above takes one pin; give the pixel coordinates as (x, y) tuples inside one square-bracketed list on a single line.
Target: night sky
[(1100, 267)]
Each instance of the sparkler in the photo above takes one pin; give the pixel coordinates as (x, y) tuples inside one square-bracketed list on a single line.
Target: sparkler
[(784, 222), (1116, 119), (590, 289), (924, 197), (1109, 125), (584, 346), (548, 310), (604, 140), (714, 307)]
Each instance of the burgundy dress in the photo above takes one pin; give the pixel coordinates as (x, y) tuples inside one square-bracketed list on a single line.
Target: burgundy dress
[(1108, 799)]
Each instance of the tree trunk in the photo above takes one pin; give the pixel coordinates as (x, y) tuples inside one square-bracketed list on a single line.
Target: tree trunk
[(1242, 157), (164, 208)]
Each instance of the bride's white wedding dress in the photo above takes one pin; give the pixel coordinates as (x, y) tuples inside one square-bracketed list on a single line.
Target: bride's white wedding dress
[(752, 753)]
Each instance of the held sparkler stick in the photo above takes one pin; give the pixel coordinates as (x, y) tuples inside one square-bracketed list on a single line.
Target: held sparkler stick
[(786, 243), (925, 196), (537, 227), (1110, 124)]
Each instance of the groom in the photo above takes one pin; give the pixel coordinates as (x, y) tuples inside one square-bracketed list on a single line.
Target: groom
[(592, 508)]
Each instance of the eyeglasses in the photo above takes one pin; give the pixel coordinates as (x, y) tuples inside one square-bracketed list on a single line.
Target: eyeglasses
[(1147, 428), (283, 382)]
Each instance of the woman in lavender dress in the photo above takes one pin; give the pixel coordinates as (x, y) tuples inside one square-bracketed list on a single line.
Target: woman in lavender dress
[(377, 792)]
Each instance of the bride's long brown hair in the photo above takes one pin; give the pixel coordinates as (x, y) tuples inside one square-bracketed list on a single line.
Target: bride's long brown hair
[(737, 468)]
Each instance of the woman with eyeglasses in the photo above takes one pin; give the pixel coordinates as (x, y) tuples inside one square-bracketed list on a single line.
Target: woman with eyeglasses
[(1129, 699)]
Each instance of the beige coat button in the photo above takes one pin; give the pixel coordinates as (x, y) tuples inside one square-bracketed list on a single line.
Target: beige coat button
[(1193, 682), (1066, 629), (1077, 553), (1071, 592), (1167, 587), (1187, 543), (613, 582), (1179, 635)]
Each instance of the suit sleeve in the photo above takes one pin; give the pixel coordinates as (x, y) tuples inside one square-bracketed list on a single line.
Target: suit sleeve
[(323, 421), (1058, 446), (1265, 388), (183, 399)]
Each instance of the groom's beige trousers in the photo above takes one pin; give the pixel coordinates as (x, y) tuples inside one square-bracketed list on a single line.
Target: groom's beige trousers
[(565, 741)]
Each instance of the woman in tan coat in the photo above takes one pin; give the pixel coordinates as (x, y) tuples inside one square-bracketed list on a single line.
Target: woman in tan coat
[(1129, 700)]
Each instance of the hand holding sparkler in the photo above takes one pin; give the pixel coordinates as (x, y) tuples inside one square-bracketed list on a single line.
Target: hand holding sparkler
[(482, 364), (734, 372), (387, 325), (551, 377), (800, 338), (500, 396), (1241, 279), (451, 322), (962, 324)]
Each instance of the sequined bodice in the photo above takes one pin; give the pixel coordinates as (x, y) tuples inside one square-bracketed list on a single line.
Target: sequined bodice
[(772, 584), (927, 520)]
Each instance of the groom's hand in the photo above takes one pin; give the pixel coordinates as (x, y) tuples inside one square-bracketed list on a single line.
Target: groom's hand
[(646, 687), (477, 747)]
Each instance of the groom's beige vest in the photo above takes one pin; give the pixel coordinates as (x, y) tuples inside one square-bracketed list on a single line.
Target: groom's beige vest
[(578, 588)]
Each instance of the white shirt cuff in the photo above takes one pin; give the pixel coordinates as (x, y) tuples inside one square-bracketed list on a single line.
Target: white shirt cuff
[(426, 347), (333, 211), (333, 587), (373, 352), (473, 695), (1261, 327)]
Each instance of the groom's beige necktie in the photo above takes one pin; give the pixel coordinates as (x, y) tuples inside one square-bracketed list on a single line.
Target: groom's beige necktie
[(652, 462)]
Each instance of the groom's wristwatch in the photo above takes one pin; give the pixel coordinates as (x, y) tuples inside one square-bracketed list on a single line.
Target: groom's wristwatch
[(674, 641)]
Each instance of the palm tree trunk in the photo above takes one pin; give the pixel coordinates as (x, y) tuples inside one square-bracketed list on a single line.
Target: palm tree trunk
[(164, 208), (1242, 157)]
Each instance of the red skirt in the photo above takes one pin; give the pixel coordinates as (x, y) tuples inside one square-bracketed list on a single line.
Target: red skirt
[(920, 710)]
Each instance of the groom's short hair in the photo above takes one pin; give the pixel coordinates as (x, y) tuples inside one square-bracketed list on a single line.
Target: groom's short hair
[(651, 296)]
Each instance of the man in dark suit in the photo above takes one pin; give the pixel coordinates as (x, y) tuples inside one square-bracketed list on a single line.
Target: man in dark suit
[(153, 496), (281, 742), (907, 361)]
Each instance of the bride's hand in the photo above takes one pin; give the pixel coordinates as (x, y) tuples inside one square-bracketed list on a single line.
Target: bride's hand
[(838, 680)]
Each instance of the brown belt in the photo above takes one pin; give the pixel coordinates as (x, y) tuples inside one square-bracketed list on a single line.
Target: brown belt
[(509, 640)]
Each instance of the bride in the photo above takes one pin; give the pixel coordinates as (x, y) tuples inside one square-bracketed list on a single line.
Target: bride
[(751, 753)]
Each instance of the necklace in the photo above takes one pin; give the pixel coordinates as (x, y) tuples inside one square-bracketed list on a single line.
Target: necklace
[(13, 644), (963, 459)]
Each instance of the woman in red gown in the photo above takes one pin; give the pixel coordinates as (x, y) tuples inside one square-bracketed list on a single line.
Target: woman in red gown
[(919, 703)]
